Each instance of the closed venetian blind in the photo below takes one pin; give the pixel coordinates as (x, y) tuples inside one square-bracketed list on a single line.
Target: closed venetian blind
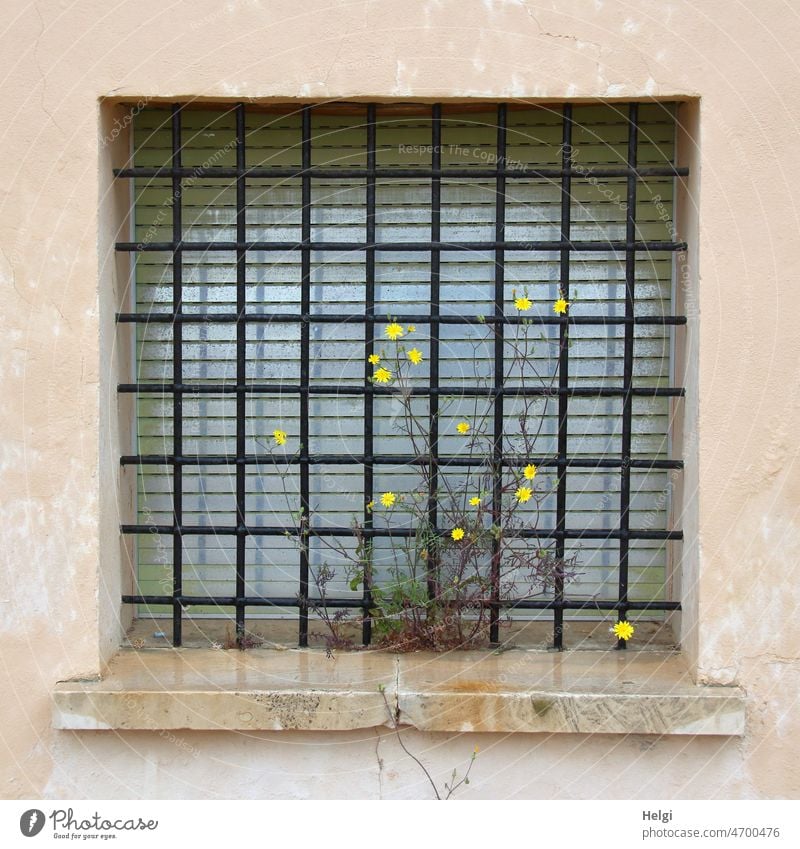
[(336, 425)]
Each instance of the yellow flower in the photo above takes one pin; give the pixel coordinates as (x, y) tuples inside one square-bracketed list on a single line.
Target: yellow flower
[(373, 359), (457, 534), (529, 471), (388, 499), (523, 494), (476, 750), (382, 375), (475, 501), (415, 356), (279, 436), (623, 630), (370, 505), (394, 331), (462, 427), (523, 303), (411, 328), (560, 306)]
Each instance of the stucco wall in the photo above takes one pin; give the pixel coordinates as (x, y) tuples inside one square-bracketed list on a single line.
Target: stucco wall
[(741, 491)]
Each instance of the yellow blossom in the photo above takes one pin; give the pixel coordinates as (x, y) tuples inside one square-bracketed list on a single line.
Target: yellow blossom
[(415, 356), (523, 494), (411, 328), (382, 375), (394, 331), (457, 534), (560, 306), (279, 436), (370, 505), (523, 303), (373, 359), (475, 501), (529, 471), (462, 427), (388, 499), (623, 630)]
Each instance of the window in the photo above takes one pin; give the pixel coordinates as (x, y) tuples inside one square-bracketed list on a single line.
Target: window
[(272, 248)]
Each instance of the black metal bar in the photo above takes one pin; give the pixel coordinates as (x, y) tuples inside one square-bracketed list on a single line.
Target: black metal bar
[(355, 389), (499, 371), (627, 379), (563, 373), (369, 349), (433, 561), (177, 377), (418, 247), (392, 460), (523, 171), (521, 604), (337, 318), (241, 366), (305, 374), (521, 533)]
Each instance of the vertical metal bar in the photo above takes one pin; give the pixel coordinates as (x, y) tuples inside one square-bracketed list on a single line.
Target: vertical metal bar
[(627, 379), (563, 374), (433, 398), (305, 321), (177, 379), (369, 349), (241, 359), (499, 362)]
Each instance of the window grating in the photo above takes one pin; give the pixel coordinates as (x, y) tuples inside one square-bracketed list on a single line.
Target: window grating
[(298, 204)]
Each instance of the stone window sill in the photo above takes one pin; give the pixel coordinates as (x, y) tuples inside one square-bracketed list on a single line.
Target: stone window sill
[(645, 692)]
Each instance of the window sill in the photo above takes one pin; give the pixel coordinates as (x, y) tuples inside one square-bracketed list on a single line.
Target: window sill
[(644, 692)]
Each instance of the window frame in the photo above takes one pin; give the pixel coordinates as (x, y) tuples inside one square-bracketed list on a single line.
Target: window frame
[(565, 247)]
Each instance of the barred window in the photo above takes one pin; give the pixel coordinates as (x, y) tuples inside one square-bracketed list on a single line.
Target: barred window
[(509, 267)]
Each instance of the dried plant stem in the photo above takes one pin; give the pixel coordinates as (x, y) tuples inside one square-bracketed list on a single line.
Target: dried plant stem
[(413, 757)]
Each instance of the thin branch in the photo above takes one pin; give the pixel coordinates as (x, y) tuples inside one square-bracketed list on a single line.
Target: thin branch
[(396, 727)]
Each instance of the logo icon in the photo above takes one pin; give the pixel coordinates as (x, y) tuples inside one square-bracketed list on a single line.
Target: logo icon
[(31, 822)]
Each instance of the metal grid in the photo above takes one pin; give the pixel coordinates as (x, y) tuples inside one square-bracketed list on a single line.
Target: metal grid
[(561, 462)]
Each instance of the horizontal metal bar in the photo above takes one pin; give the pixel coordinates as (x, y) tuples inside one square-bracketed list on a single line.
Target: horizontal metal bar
[(230, 601), (274, 531), (418, 247), (419, 391), (390, 459), (361, 318), (522, 172), (521, 604)]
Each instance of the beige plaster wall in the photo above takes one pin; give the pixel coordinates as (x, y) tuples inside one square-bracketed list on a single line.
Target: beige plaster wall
[(60, 497)]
